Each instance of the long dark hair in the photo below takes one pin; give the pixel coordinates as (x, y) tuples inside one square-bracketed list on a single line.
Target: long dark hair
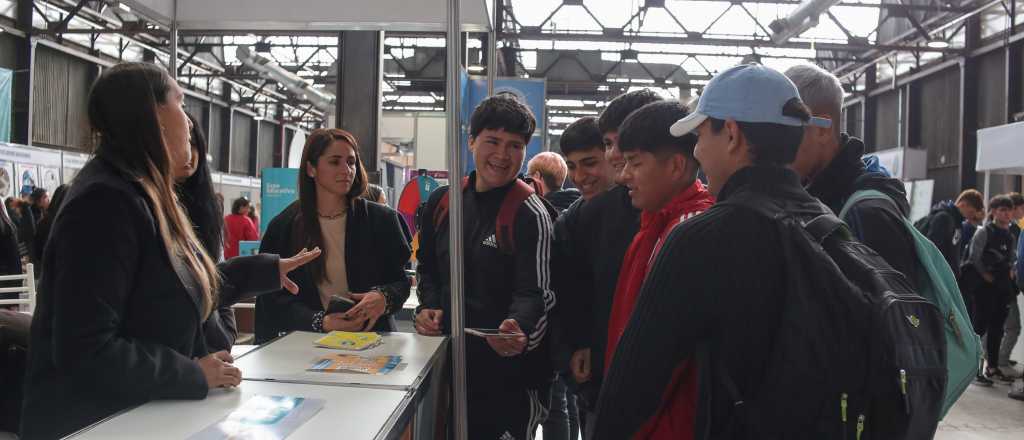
[(123, 115), (307, 223), (200, 202)]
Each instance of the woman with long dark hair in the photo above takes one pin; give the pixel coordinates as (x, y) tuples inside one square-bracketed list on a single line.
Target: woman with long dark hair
[(364, 249), (195, 191), (126, 284)]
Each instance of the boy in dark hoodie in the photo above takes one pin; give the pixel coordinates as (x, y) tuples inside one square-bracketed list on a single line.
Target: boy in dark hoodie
[(830, 163), (950, 225)]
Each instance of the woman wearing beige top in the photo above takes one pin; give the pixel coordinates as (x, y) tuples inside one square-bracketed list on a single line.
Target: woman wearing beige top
[(364, 249)]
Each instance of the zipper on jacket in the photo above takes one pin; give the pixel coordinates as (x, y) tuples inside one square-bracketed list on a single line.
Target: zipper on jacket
[(860, 425), (956, 328), (903, 390)]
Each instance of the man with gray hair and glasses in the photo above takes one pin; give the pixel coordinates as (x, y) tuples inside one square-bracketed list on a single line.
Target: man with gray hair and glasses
[(831, 165)]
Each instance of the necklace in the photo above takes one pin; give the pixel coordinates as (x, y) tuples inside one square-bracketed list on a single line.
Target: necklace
[(331, 217)]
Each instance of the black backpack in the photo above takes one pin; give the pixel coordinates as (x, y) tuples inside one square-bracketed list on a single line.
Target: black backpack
[(924, 224), (858, 354)]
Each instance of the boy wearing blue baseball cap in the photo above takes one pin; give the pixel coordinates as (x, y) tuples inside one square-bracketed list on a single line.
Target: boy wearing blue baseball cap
[(717, 280)]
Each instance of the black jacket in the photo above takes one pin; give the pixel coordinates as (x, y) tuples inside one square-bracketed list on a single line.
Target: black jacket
[(376, 252), (10, 258), (712, 292), (562, 198), (876, 223), (497, 286), (117, 324), (945, 229), (595, 235)]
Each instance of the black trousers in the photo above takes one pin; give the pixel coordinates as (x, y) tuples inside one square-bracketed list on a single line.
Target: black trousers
[(507, 414), (991, 304)]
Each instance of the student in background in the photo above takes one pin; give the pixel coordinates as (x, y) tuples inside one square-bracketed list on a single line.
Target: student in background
[(38, 200), (943, 224), (1011, 330), (238, 227), (508, 377), (365, 250), (549, 170), (992, 255), (44, 225), (123, 324), (661, 174)]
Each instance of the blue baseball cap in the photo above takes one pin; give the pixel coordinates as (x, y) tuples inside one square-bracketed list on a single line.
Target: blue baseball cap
[(746, 93)]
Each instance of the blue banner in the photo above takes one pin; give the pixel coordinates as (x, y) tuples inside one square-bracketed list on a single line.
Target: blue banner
[(279, 189), (530, 91), (6, 81)]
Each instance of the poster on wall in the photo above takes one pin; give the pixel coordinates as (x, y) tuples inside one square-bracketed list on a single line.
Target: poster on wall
[(49, 178), (279, 189), (530, 91), (7, 180), (28, 178)]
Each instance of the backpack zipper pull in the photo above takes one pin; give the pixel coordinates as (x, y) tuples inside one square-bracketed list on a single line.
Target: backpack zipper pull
[(903, 389), (842, 405), (956, 328), (860, 425)]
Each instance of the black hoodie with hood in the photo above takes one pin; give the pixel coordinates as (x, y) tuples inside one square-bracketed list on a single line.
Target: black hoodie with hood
[(876, 223), (945, 229)]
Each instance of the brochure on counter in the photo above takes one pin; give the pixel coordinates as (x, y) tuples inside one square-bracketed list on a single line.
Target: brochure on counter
[(264, 418), (351, 363)]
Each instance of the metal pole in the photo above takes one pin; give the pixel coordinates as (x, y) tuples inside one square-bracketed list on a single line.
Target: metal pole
[(172, 60), (453, 99), (492, 48)]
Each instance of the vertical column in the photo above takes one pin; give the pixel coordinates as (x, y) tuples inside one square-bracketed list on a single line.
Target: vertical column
[(969, 107), (870, 111), (226, 122), (254, 146), (22, 84), (360, 70)]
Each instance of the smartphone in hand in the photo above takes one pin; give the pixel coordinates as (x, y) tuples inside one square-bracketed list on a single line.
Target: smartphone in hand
[(491, 332)]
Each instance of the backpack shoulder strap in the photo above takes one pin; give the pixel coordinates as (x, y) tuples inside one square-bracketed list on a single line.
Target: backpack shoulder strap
[(505, 224), (862, 195), (441, 210)]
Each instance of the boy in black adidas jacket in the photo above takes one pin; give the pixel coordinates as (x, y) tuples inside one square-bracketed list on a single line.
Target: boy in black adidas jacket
[(508, 379)]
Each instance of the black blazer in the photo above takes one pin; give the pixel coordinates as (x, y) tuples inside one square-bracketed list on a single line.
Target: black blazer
[(376, 252), (117, 323)]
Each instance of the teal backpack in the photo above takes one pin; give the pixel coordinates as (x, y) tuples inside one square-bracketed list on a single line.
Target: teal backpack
[(938, 284)]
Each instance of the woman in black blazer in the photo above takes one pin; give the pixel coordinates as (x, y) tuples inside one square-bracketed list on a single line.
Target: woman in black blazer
[(362, 242), (126, 285)]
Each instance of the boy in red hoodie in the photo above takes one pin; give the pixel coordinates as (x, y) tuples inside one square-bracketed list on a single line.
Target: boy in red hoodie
[(661, 174)]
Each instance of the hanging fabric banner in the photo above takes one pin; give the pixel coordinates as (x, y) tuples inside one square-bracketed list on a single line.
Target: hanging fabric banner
[(6, 84)]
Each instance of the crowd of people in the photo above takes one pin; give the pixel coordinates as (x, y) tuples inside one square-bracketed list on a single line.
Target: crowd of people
[(668, 295)]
